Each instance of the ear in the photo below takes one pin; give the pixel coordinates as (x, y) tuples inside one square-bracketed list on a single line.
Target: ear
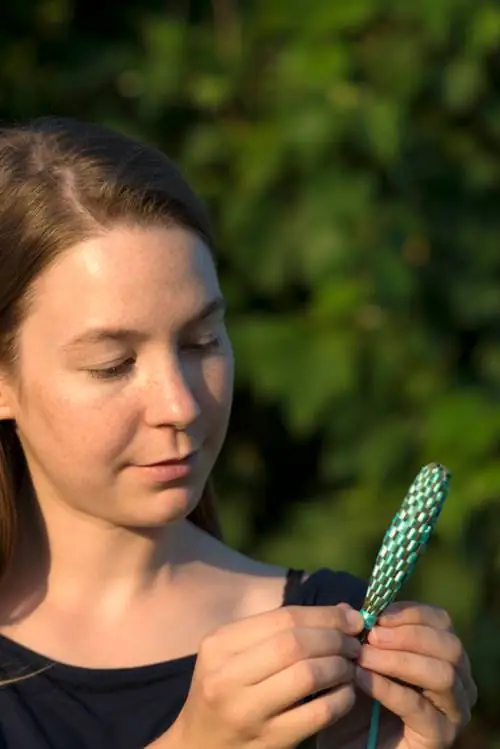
[(6, 410)]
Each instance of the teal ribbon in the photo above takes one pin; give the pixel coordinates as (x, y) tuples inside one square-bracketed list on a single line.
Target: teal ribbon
[(370, 620)]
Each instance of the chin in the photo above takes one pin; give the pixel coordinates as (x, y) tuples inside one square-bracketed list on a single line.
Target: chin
[(157, 510)]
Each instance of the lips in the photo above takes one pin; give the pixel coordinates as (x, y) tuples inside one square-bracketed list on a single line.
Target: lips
[(169, 461), (168, 471)]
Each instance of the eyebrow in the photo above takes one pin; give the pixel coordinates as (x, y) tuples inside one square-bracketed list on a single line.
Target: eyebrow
[(123, 335)]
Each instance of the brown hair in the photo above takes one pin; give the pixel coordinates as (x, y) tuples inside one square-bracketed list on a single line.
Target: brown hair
[(61, 182)]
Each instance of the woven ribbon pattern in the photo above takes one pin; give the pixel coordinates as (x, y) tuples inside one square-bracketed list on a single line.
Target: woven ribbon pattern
[(406, 539), (402, 545)]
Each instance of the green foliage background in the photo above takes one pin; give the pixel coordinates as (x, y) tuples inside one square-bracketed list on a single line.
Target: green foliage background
[(349, 152)]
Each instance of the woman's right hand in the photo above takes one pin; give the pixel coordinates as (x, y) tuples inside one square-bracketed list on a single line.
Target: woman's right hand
[(252, 676)]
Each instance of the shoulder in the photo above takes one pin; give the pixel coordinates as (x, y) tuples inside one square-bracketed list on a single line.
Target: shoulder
[(260, 586), (271, 587)]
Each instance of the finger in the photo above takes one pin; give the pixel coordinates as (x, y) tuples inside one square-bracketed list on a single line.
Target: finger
[(417, 712), (302, 680), (240, 635), (416, 638), (285, 648), (408, 612), (437, 642), (308, 719), (455, 705), (465, 675), (437, 680), (420, 671)]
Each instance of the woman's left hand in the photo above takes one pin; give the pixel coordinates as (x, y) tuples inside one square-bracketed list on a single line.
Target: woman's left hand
[(416, 645)]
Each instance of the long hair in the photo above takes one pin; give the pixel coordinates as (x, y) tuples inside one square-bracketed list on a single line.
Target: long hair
[(62, 182)]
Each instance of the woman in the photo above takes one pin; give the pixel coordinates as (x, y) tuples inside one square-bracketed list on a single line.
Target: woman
[(125, 621)]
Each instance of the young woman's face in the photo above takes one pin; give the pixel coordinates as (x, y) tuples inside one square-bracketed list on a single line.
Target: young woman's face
[(125, 362)]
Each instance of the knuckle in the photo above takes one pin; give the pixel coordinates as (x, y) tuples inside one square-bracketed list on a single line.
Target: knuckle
[(446, 677), (213, 689), (322, 711), (347, 695), (289, 646), (291, 616), (307, 676), (339, 618), (456, 649), (346, 669), (208, 647), (315, 675), (333, 705), (341, 670), (444, 618)]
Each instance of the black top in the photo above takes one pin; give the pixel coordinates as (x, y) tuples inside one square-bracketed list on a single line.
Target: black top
[(68, 707)]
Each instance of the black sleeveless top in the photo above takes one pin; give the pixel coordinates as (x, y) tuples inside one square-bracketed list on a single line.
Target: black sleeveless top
[(69, 707)]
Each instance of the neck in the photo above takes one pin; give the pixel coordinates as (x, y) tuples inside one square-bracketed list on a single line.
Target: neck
[(80, 558)]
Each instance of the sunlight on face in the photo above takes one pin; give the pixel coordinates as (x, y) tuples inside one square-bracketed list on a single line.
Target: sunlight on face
[(124, 362)]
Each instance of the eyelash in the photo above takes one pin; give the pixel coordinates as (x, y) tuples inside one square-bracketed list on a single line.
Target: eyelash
[(124, 368)]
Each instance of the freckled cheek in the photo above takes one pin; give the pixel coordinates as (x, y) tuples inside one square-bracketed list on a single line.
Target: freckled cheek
[(77, 426)]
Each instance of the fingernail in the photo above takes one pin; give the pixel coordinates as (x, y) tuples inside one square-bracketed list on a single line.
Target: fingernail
[(380, 635)]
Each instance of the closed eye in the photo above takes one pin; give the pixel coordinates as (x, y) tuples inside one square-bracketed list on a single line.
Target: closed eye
[(113, 373), (207, 344), (124, 369)]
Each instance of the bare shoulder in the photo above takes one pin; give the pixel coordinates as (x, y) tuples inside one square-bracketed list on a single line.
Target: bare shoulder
[(255, 586), (266, 588)]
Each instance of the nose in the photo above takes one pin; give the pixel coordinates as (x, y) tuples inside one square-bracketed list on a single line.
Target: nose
[(170, 400)]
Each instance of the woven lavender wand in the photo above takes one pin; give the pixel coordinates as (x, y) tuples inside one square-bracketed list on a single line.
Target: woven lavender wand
[(404, 542)]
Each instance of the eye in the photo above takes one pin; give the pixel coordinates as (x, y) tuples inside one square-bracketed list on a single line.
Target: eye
[(205, 344), (113, 373)]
